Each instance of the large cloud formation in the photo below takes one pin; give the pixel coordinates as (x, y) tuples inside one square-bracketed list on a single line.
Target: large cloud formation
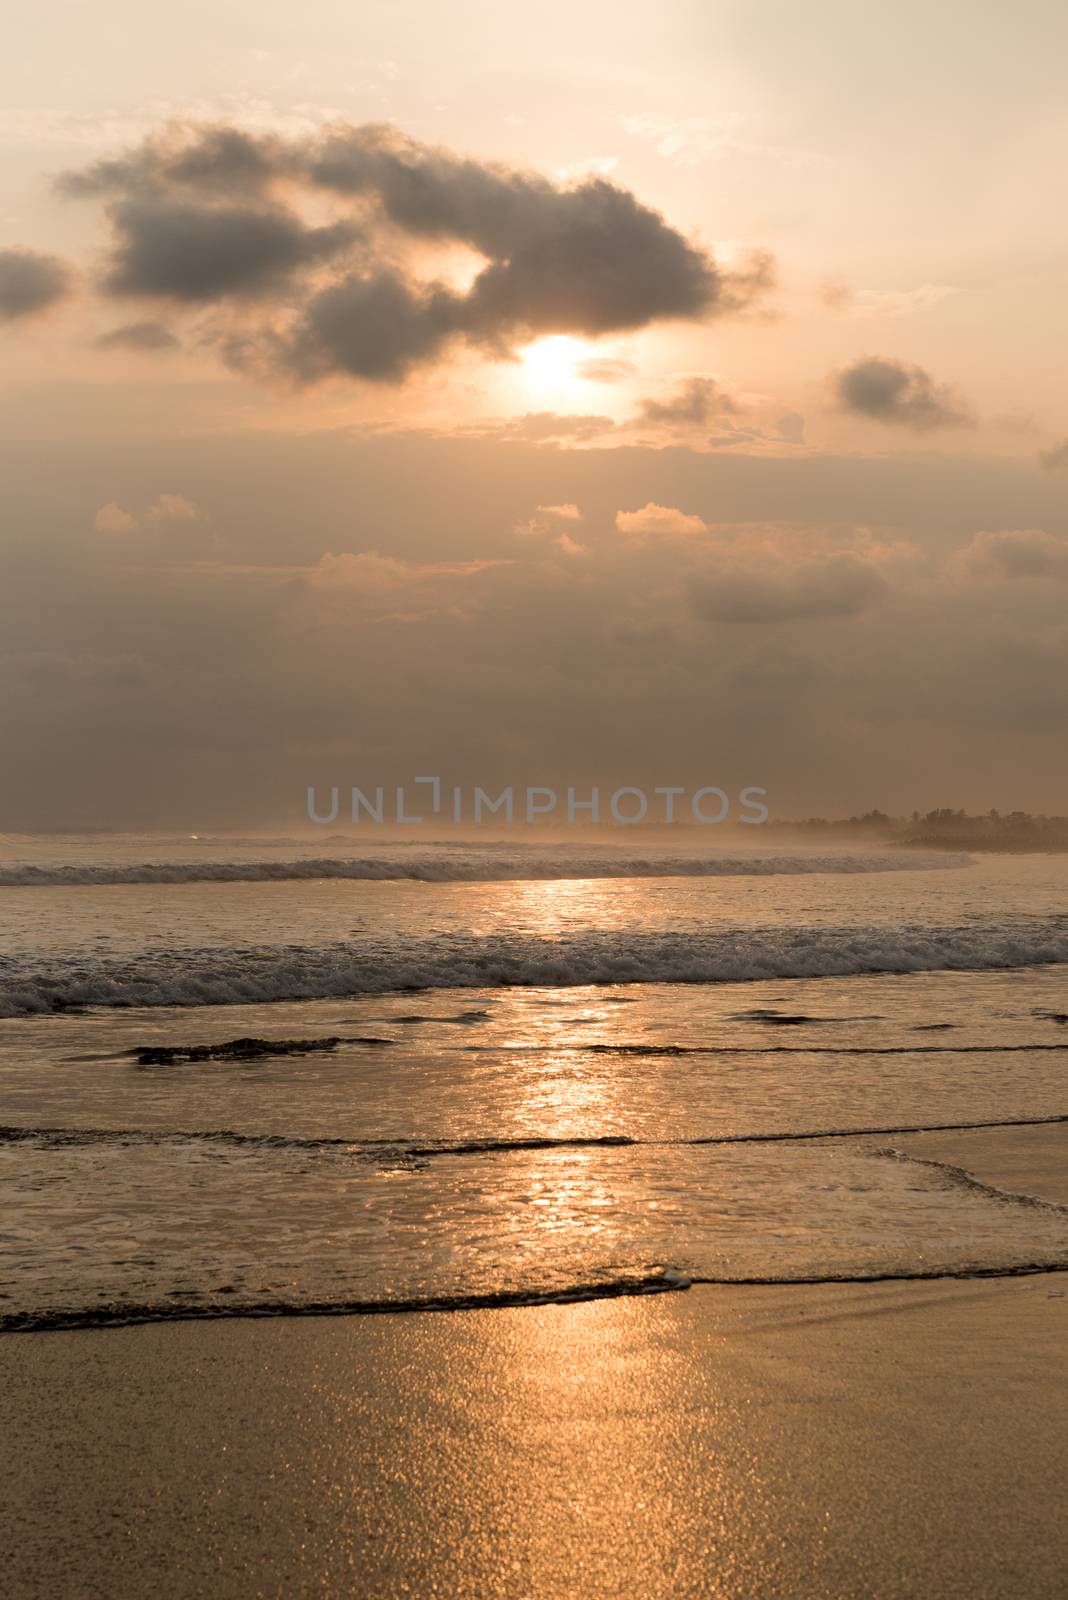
[(30, 282), (217, 217), (899, 393)]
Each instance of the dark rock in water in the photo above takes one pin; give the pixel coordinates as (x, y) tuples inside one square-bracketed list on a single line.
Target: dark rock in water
[(417, 1017), (932, 1027), (163, 1055), (777, 1019)]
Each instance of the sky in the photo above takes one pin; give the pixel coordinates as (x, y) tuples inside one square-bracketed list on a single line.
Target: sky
[(574, 394)]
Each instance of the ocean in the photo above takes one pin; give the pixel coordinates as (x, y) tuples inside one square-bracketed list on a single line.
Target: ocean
[(493, 1073)]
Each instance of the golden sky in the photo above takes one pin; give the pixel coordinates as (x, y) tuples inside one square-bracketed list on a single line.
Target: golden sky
[(650, 368)]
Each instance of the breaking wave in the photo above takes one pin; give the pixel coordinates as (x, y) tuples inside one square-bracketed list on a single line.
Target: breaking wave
[(255, 974), (479, 866)]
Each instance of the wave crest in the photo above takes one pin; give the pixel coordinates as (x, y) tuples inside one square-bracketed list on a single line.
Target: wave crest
[(478, 866), (213, 976)]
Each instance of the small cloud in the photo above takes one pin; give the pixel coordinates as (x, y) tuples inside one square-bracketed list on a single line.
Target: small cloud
[(1019, 422), (696, 402), (30, 283), (604, 369), (569, 546), (173, 508), (659, 520), (168, 508), (1014, 553), (898, 393), (591, 167), (836, 296), (691, 140), (371, 570), (113, 519), (539, 426), (791, 428), (1055, 458), (840, 586), (139, 336), (839, 297), (387, 586), (546, 519)]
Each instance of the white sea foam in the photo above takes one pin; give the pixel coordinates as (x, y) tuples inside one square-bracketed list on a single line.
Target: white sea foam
[(227, 976), (483, 865)]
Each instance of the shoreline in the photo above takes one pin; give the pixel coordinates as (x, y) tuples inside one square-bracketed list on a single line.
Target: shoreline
[(1021, 1161), (808, 1441), (834, 1440)]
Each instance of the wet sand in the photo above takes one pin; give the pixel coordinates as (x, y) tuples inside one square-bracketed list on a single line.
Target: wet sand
[(833, 1440), (829, 1440)]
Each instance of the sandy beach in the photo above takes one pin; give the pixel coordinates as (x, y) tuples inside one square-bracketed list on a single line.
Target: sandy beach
[(838, 1440), (825, 1440)]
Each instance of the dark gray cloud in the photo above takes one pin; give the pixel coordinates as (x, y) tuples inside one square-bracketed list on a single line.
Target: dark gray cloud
[(198, 217), (838, 586), (189, 251), (374, 326), (139, 336), (1055, 458), (898, 393), (30, 282), (216, 160), (695, 403)]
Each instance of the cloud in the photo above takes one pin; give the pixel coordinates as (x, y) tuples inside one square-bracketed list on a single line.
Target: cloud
[(252, 669), (1015, 553), (898, 393), (697, 402), (173, 508), (139, 336), (168, 508), (111, 518), (390, 587), (30, 283), (884, 302), (197, 217), (546, 521), (839, 586), (376, 327), (1055, 457), (604, 369), (1020, 422), (567, 512), (691, 140), (791, 427), (659, 520), (572, 171), (190, 252), (544, 426)]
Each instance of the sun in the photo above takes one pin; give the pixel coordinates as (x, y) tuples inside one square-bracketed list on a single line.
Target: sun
[(549, 364)]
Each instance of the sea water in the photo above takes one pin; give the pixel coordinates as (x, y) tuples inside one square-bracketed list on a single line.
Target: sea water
[(487, 1073)]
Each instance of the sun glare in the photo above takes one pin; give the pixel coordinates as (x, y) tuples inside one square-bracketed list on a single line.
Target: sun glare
[(550, 363)]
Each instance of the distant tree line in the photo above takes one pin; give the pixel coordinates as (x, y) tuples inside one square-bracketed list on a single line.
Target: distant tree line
[(942, 828)]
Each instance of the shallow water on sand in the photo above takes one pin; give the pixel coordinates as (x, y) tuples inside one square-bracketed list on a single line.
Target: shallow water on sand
[(486, 1123)]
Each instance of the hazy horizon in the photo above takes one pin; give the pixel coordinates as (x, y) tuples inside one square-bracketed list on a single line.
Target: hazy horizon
[(582, 397)]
